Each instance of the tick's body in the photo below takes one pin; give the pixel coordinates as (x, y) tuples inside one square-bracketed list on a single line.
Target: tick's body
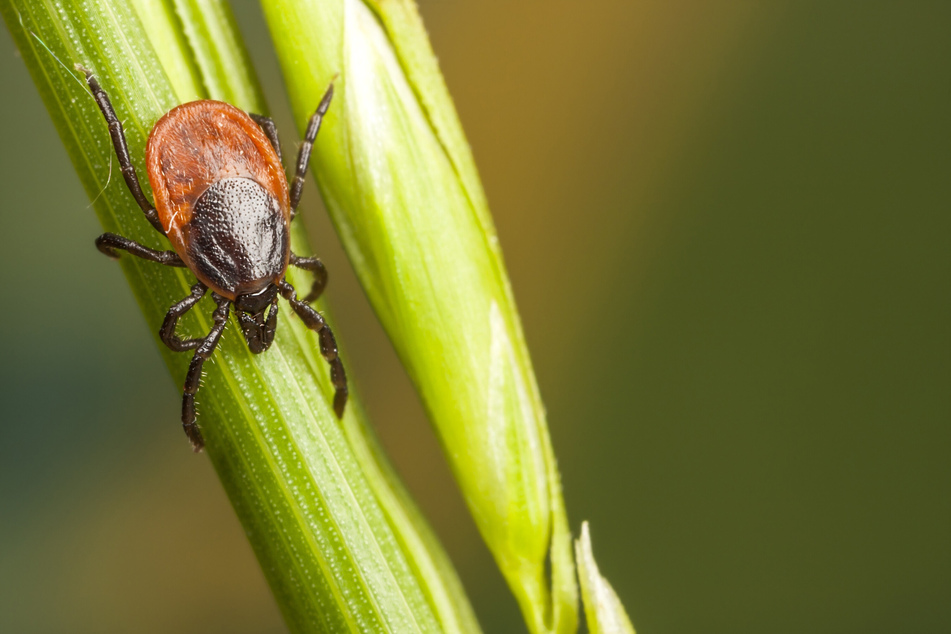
[(221, 196), (222, 200)]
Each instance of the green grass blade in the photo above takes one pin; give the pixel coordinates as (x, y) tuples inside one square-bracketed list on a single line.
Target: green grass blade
[(604, 612), (166, 35), (327, 521), (403, 192)]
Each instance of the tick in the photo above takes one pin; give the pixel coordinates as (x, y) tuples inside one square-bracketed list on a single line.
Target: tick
[(222, 200)]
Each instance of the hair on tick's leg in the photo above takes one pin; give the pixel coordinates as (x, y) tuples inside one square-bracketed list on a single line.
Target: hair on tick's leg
[(315, 266), (109, 243), (193, 378), (167, 331), (328, 344), (122, 149), (303, 155)]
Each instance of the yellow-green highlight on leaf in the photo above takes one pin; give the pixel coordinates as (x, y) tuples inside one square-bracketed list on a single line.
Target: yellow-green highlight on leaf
[(215, 43), (402, 190), (340, 544), (165, 33), (604, 612)]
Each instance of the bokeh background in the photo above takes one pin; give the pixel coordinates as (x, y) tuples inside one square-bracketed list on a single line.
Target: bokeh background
[(727, 225)]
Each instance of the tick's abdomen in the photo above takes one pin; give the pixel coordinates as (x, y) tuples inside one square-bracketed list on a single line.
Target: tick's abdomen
[(237, 237)]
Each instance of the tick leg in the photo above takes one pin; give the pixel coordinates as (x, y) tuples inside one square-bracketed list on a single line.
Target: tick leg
[(303, 155), (193, 378), (108, 243), (258, 331), (270, 326), (122, 149), (270, 131), (328, 345), (167, 332), (315, 266)]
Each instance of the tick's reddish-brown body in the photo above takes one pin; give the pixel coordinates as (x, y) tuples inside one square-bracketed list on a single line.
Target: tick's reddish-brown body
[(222, 200), (221, 195)]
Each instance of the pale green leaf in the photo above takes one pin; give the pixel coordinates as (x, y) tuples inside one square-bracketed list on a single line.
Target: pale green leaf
[(603, 610)]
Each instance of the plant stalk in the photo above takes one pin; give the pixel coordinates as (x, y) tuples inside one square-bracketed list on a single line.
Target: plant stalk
[(340, 544)]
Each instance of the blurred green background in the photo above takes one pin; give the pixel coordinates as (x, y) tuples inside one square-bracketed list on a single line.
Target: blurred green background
[(727, 225)]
